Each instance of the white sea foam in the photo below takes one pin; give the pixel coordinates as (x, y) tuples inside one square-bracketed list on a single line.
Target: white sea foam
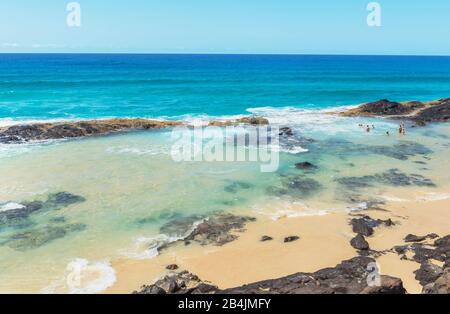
[(149, 151), (289, 210), (145, 247), (84, 277), (433, 197), (10, 206)]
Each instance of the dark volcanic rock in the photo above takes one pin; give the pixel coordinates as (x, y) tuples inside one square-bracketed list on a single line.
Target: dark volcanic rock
[(181, 283), (364, 225), (384, 107), (419, 112), (215, 230), (349, 277), (438, 112), (172, 267), (266, 238), (291, 239), (440, 286), (60, 130), (428, 273), (415, 238), (434, 278), (359, 243), (286, 131)]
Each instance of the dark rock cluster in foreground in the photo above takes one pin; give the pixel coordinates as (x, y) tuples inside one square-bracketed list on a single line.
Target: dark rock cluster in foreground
[(349, 277), (434, 278)]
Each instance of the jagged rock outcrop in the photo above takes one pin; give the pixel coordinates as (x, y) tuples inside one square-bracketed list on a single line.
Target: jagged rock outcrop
[(61, 130), (420, 112), (349, 277), (253, 120)]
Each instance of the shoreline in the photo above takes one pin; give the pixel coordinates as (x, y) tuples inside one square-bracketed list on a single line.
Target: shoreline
[(324, 242), (418, 112)]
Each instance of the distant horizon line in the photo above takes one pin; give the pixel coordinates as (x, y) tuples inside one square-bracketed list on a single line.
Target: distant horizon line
[(224, 54)]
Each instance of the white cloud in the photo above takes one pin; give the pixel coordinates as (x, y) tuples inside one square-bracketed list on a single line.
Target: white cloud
[(10, 45)]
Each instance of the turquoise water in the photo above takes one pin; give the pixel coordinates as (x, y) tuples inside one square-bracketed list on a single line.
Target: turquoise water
[(90, 86), (125, 187)]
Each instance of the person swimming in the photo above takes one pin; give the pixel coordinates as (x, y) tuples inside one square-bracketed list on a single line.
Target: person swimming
[(387, 133)]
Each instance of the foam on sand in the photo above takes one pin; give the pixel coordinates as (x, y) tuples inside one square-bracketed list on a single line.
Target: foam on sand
[(84, 277)]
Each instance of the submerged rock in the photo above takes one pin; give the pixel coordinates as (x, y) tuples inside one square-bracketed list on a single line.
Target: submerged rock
[(36, 238), (295, 186), (54, 201), (235, 186), (392, 177)]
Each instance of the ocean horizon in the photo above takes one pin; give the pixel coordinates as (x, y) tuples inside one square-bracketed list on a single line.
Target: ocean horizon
[(178, 86)]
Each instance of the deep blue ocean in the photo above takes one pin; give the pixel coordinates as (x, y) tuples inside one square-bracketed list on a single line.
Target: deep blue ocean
[(50, 86)]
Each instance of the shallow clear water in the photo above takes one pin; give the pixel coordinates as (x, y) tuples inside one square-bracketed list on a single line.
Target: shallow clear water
[(132, 187)]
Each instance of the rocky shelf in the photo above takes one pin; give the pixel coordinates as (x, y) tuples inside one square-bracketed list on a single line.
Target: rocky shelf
[(76, 129), (419, 112)]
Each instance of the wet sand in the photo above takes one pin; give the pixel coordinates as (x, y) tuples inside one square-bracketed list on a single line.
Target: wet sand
[(324, 242)]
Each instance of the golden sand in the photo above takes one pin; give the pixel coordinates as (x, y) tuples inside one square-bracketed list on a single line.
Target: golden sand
[(324, 242)]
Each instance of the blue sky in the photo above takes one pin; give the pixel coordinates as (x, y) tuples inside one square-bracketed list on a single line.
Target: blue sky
[(227, 26)]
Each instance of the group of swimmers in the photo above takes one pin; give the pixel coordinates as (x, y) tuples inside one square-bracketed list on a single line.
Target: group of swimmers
[(401, 130)]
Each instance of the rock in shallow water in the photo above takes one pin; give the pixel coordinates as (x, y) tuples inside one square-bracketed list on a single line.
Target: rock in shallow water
[(392, 177), (36, 238), (54, 201), (296, 186), (235, 186), (216, 229), (306, 165)]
